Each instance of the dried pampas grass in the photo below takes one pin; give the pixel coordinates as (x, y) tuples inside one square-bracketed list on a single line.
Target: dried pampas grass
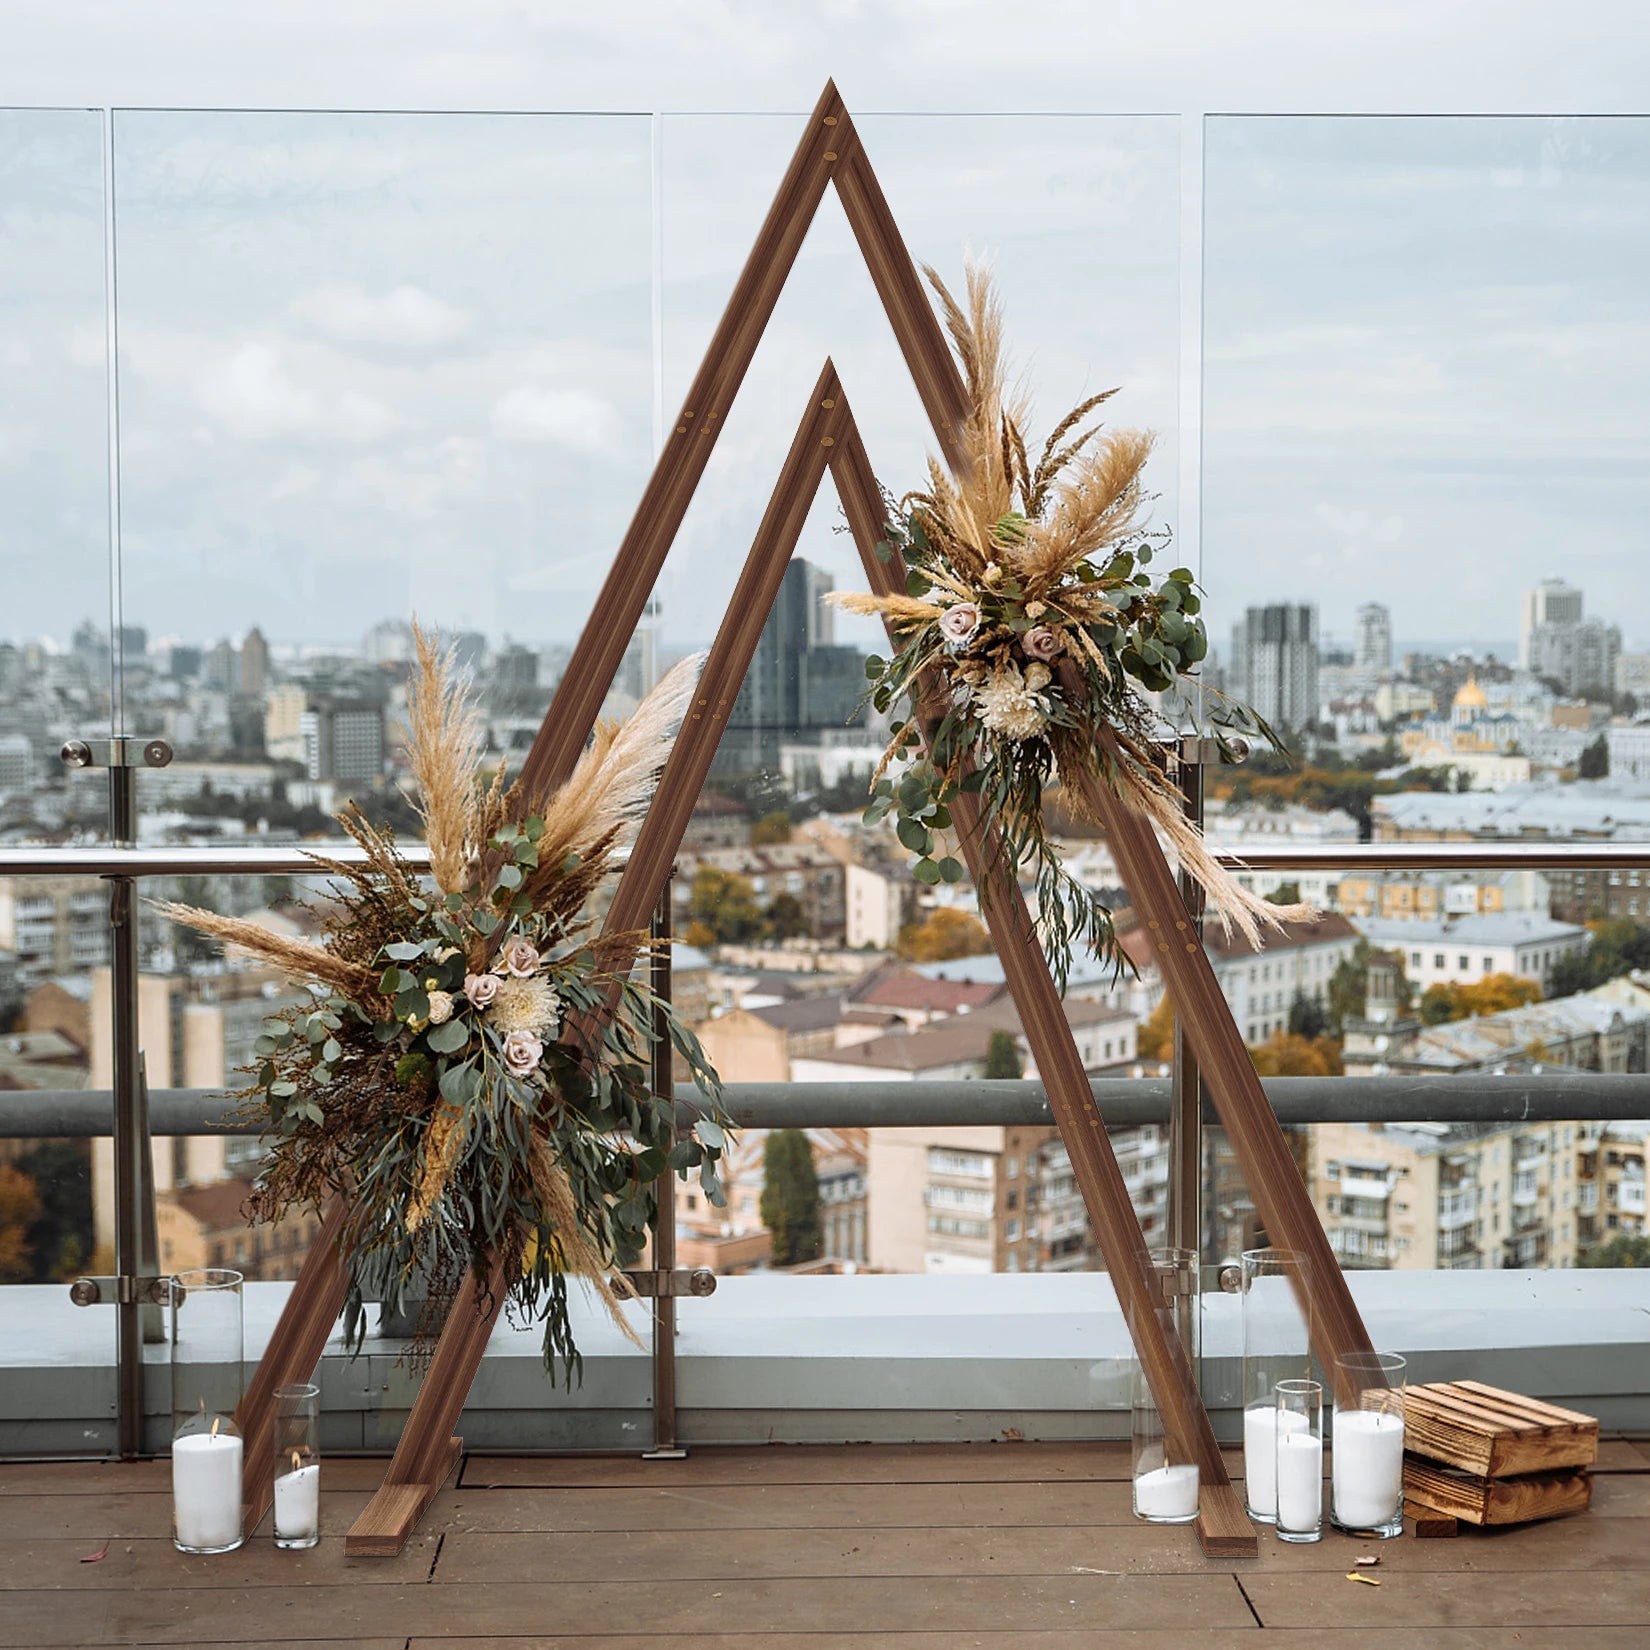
[(444, 754)]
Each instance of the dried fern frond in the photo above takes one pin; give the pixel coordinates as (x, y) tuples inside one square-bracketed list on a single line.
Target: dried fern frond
[(1093, 508), (609, 789), (444, 755), (298, 958), (575, 1253)]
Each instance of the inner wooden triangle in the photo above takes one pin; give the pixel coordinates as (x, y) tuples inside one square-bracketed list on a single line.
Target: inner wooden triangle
[(828, 440)]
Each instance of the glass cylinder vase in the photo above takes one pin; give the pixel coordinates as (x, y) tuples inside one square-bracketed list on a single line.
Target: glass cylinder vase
[(1366, 1474), (1277, 1347), (1165, 1485), (1297, 1444), (205, 1344), (297, 1458)]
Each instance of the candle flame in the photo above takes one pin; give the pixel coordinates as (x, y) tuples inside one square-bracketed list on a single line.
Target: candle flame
[(217, 1421), (297, 1459)]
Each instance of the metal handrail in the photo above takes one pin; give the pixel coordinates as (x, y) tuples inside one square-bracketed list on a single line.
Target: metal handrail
[(1555, 1095), (298, 859)]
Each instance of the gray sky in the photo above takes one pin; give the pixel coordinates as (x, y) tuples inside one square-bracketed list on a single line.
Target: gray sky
[(375, 363)]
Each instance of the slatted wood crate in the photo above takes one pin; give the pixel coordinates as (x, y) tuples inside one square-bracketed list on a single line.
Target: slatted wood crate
[(1495, 1434), (1485, 1456)]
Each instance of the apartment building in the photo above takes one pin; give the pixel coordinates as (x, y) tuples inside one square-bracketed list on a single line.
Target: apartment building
[(1403, 896), (53, 925), (1443, 950), (1470, 1196)]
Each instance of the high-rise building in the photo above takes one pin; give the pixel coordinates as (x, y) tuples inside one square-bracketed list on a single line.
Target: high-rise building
[(1275, 662), (1372, 648), (1580, 656), (800, 681), (221, 671), (284, 708), (343, 739), (254, 672), (1552, 602)]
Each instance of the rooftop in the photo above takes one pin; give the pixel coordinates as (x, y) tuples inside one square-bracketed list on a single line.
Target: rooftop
[(1481, 928)]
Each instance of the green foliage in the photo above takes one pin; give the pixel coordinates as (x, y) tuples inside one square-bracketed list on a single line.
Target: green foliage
[(1286, 893), (1002, 1056), (1623, 1250), (771, 828), (1595, 760), (1349, 987), (790, 1197), (785, 918), (1308, 1017), (61, 1236), (725, 903), (1618, 947)]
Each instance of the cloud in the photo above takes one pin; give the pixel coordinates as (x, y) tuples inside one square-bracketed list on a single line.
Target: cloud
[(255, 398), (404, 319), (573, 418)]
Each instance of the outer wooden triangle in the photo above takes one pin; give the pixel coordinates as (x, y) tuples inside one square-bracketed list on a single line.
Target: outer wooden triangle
[(827, 438)]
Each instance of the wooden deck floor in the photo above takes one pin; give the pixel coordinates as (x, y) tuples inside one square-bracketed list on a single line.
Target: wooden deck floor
[(1006, 1547)]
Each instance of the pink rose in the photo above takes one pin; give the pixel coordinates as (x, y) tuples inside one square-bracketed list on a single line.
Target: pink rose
[(959, 622), (522, 1053), (481, 989), (1042, 643), (520, 958)]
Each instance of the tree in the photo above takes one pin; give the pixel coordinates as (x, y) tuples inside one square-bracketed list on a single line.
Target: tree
[(725, 903), (19, 1209), (1624, 1249), (1595, 760), (1617, 947), (1002, 1056), (771, 828), (1286, 893), (61, 1234), (1308, 1017), (785, 918), (1465, 999), (790, 1197), (1284, 1054), (946, 934), (1155, 1038), (1348, 989)]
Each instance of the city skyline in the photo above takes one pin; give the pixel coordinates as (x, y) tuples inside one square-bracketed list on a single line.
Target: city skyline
[(317, 392)]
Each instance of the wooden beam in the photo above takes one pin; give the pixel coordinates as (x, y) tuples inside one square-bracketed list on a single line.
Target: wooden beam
[(292, 1356), (420, 1456), (1269, 1168), (687, 449), (1223, 1527)]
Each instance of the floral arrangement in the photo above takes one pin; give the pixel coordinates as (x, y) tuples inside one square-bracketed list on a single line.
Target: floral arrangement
[(1028, 636), (472, 1070)]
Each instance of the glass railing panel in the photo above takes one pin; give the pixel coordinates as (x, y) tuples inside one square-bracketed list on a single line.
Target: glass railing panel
[(790, 903), (55, 685), (1424, 436), (373, 367)]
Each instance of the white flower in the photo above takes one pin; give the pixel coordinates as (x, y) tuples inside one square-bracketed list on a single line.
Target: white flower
[(1007, 705), (959, 622), (522, 1053), (441, 1007), (481, 989), (1038, 677), (525, 1005)]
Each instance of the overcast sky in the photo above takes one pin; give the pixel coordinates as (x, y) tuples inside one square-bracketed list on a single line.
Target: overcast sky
[(372, 363)]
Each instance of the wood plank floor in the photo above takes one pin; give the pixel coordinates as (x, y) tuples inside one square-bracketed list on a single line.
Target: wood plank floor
[(994, 1547)]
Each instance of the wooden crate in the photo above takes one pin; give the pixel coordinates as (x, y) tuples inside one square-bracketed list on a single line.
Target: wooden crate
[(1478, 1500), (1495, 1434)]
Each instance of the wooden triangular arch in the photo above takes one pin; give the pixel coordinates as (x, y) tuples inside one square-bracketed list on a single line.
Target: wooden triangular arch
[(827, 439)]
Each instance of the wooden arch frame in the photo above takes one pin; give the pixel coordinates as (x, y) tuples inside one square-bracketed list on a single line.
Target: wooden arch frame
[(827, 439)]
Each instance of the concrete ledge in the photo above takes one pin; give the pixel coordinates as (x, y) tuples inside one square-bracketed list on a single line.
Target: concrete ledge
[(769, 1358)]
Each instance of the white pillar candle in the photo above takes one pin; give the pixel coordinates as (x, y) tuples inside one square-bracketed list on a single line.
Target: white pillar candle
[(1299, 1465), (1367, 1468), (1261, 1426), (298, 1504), (1166, 1492), (206, 1490)]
